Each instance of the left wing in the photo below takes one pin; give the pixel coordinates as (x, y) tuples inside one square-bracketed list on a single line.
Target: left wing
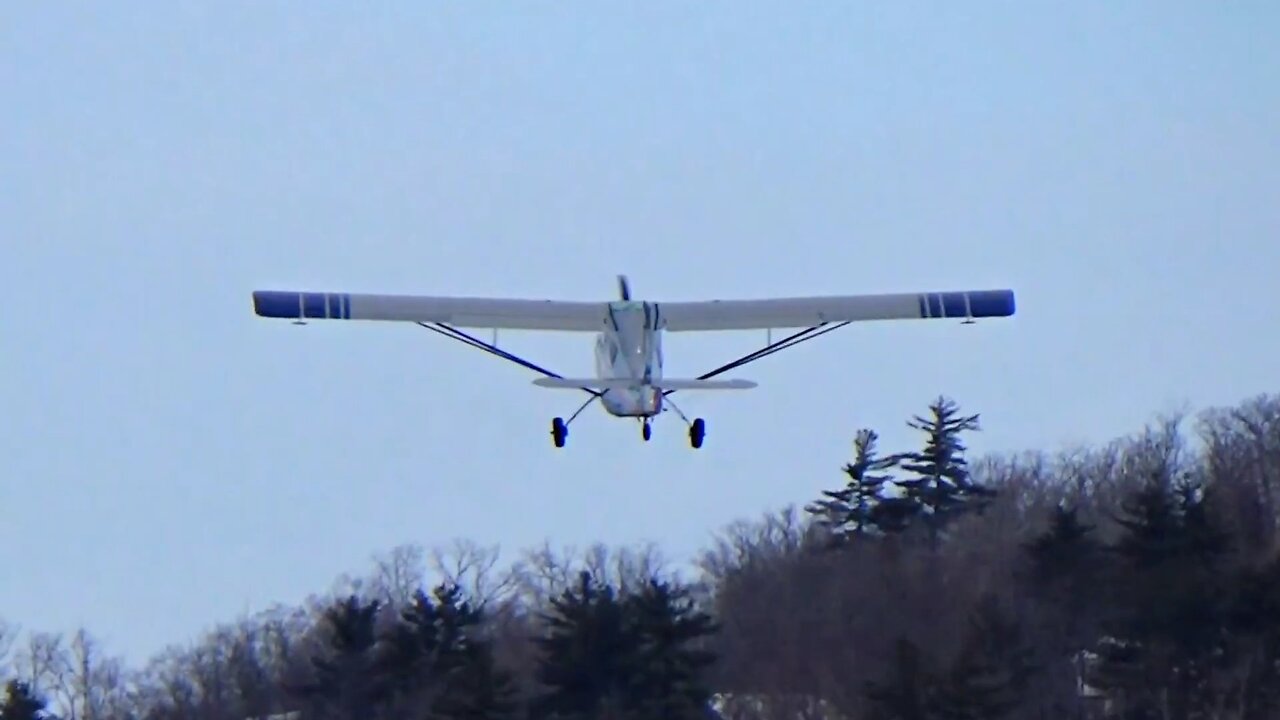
[(472, 312), (777, 313)]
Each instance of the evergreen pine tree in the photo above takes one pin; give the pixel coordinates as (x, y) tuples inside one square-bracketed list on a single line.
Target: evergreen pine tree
[(1170, 624), (1064, 568), (436, 663), (852, 510), (894, 514), (1255, 625), (344, 685), (1205, 540), (1171, 553), (22, 703), (409, 654), (587, 662), (1065, 554), (670, 668), (253, 681), (942, 487), (990, 675), (1151, 534), (475, 688), (478, 690), (1133, 662), (911, 690), (635, 656)]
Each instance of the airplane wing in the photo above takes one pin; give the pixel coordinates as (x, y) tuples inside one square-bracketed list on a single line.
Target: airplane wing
[(471, 312), (778, 313)]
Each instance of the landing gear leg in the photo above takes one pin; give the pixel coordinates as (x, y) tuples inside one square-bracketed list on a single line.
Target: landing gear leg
[(697, 428)]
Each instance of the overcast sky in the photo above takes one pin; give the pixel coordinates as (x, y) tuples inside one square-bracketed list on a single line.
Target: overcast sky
[(170, 460)]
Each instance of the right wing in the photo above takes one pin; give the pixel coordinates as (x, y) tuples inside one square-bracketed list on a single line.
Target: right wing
[(471, 312), (777, 313)]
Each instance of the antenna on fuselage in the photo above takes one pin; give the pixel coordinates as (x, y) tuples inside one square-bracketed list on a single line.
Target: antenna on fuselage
[(624, 288)]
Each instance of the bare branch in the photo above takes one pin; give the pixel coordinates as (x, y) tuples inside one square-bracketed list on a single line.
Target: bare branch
[(472, 567), (8, 638), (398, 575)]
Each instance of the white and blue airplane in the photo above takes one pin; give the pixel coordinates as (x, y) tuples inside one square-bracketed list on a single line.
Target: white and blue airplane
[(629, 381)]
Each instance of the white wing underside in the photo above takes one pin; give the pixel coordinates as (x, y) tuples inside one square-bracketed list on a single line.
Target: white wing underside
[(781, 313), (463, 312), (706, 315)]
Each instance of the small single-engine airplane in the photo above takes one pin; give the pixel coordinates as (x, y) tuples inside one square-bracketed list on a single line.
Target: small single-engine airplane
[(628, 349)]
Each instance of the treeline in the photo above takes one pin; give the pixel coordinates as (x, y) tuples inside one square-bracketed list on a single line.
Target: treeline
[(1131, 581)]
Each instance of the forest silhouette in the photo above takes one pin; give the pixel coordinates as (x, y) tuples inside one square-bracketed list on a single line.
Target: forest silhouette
[(1131, 581)]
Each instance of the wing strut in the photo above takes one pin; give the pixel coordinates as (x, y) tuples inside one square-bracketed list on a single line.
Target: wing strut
[(789, 341), (454, 333)]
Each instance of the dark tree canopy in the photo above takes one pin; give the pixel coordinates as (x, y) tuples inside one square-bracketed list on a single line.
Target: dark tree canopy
[(1139, 580), (633, 655), (22, 703), (344, 686)]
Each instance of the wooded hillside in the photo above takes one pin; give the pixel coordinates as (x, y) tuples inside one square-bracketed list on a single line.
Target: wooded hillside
[(1135, 580)]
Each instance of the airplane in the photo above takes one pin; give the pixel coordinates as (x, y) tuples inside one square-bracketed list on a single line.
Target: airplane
[(629, 380)]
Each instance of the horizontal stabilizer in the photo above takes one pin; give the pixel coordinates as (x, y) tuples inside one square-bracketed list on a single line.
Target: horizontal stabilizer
[(694, 384), (661, 384)]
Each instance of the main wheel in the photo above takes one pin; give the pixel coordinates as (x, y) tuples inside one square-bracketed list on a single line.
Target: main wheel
[(559, 431), (646, 431), (697, 431)]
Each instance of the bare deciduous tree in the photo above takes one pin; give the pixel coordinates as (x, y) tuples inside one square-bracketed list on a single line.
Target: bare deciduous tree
[(42, 662), (9, 633), (474, 569), (398, 575)]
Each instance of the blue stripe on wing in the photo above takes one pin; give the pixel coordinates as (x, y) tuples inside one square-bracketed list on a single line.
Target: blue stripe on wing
[(292, 304)]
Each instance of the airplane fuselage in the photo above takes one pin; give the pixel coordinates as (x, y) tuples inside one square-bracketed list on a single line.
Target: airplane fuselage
[(631, 347)]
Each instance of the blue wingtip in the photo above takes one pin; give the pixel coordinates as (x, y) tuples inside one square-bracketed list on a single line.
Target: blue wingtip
[(993, 303), (276, 304), (292, 304), (972, 303)]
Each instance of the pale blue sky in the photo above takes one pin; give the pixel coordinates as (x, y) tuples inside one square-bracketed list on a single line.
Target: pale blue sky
[(171, 460)]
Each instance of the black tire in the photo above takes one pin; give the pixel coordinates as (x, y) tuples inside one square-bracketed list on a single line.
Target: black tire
[(646, 432), (559, 432), (697, 432)]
